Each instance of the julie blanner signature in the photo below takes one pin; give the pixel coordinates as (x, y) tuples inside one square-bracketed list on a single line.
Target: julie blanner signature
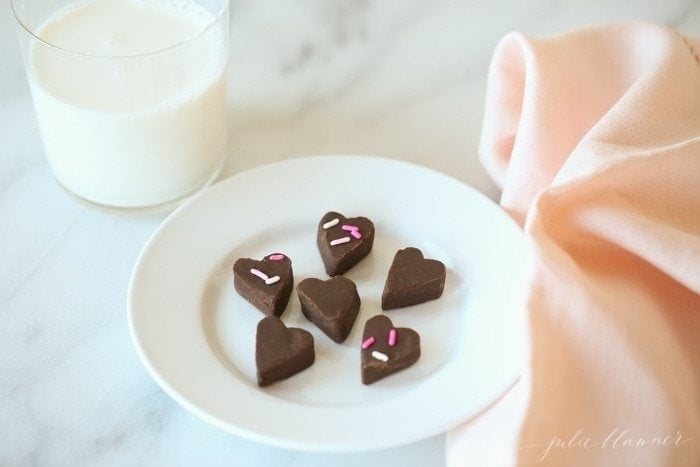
[(616, 439)]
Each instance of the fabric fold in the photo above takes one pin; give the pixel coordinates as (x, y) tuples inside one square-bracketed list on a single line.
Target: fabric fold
[(594, 137)]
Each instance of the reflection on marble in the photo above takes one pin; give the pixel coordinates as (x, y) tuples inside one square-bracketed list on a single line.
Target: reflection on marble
[(400, 79)]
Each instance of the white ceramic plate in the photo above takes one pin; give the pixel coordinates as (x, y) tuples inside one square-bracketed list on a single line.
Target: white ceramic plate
[(196, 336)]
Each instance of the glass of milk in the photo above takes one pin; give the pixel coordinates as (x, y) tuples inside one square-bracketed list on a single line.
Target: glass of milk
[(130, 95)]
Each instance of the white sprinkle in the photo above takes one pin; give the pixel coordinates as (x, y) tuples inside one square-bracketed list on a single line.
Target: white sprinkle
[(338, 241), (272, 280), (380, 356), (258, 273), (331, 223)]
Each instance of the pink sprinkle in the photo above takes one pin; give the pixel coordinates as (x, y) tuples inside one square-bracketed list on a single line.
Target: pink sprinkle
[(276, 257), (356, 234), (338, 241), (260, 274), (392, 337), (350, 228), (368, 343)]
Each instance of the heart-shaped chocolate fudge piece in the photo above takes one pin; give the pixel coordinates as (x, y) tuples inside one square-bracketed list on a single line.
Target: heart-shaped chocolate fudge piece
[(343, 241), (386, 349), (267, 284), (412, 279), (281, 352), (332, 305)]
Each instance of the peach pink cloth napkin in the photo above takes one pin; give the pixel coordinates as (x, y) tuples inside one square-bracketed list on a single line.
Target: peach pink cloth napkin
[(595, 139)]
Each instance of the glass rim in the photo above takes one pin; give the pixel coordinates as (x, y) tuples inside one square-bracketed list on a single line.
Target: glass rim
[(209, 26)]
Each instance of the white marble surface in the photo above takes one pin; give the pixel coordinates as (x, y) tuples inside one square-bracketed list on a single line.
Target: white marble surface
[(400, 79)]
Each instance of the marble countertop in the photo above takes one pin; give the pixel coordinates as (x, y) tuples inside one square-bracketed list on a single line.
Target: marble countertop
[(399, 79)]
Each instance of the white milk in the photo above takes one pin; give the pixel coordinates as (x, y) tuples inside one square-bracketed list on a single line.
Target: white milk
[(138, 130)]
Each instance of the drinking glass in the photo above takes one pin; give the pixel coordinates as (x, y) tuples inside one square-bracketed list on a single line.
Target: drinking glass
[(129, 95)]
